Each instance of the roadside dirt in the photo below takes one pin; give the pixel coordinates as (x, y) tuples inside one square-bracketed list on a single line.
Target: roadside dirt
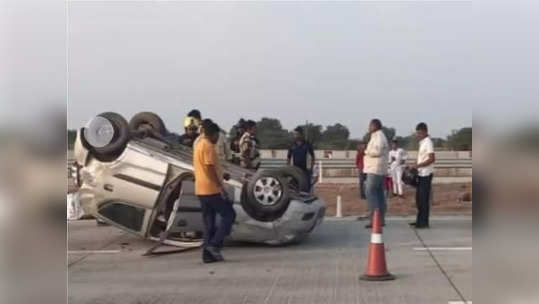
[(445, 200)]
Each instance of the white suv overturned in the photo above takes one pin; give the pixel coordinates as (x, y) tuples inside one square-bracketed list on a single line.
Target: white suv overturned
[(136, 177)]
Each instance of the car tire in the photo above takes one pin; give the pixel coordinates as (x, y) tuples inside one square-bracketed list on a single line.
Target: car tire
[(148, 121), (267, 196), (118, 142), (298, 179)]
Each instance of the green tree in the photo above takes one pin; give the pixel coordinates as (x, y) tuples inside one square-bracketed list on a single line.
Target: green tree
[(313, 133), (460, 139), (439, 143), (271, 134), (335, 137)]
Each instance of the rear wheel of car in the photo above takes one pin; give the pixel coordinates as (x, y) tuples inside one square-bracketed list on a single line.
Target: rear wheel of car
[(296, 178), (149, 123), (106, 135), (267, 196)]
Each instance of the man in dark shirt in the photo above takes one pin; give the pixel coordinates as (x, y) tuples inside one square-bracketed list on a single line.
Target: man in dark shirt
[(301, 154)]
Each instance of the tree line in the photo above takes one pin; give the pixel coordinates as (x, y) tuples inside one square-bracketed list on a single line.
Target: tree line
[(272, 135)]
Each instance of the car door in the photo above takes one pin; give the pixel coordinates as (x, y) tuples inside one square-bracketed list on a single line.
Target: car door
[(129, 189)]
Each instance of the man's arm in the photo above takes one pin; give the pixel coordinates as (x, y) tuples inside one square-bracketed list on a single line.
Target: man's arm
[(214, 176), (430, 150), (313, 160), (374, 148), (429, 161), (289, 157), (210, 160)]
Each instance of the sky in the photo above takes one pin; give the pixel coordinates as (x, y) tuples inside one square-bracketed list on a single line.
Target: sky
[(322, 62)]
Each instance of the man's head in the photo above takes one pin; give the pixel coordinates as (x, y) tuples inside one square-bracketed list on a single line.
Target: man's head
[(375, 125), (394, 144), (211, 130), (250, 126), (421, 130), (361, 146), (299, 134), (240, 126), (191, 131), (195, 114)]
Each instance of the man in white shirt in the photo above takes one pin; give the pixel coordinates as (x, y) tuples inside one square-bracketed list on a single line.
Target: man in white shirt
[(425, 168), (397, 159), (375, 166)]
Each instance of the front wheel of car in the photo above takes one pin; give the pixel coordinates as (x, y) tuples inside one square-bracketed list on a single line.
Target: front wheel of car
[(106, 135), (267, 196)]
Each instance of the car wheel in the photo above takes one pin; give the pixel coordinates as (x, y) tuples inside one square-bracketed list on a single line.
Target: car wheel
[(267, 196), (149, 123), (106, 135), (296, 178)]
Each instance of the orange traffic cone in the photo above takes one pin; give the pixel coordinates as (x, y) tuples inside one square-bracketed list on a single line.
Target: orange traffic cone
[(376, 266)]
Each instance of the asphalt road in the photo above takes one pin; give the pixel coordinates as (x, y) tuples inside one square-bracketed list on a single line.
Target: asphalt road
[(106, 266)]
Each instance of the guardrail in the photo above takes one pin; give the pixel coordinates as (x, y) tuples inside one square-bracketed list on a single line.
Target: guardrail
[(328, 168), (350, 164)]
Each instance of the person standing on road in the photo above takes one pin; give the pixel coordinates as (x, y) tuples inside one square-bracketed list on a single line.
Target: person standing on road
[(359, 165), (209, 190), (362, 176), (397, 160), (425, 168), (301, 154), (249, 155), (375, 161)]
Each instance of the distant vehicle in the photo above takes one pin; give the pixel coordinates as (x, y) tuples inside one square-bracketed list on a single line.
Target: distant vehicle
[(136, 177)]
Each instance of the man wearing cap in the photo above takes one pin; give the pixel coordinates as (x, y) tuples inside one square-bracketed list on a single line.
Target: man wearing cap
[(191, 126)]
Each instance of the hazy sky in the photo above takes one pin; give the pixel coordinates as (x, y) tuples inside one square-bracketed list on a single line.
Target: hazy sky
[(324, 62)]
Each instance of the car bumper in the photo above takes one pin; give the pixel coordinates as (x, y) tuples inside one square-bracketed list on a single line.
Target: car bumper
[(297, 222)]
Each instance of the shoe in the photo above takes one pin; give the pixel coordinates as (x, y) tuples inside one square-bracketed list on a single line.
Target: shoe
[(368, 226), (215, 253), (412, 224), (422, 227), (207, 257), (362, 217)]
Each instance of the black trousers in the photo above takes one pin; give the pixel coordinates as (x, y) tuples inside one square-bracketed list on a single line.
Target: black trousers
[(213, 205), (308, 175), (362, 179), (422, 200)]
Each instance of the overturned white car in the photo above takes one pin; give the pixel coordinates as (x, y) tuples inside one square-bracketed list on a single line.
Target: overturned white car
[(133, 176)]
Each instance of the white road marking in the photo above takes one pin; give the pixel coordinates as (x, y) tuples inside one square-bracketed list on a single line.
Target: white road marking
[(460, 302), (92, 251), (443, 248)]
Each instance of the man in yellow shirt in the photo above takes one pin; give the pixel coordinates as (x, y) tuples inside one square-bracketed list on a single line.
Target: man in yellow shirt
[(209, 189)]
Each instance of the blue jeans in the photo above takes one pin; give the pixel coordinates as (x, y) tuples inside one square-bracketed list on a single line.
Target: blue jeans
[(213, 205), (376, 199)]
